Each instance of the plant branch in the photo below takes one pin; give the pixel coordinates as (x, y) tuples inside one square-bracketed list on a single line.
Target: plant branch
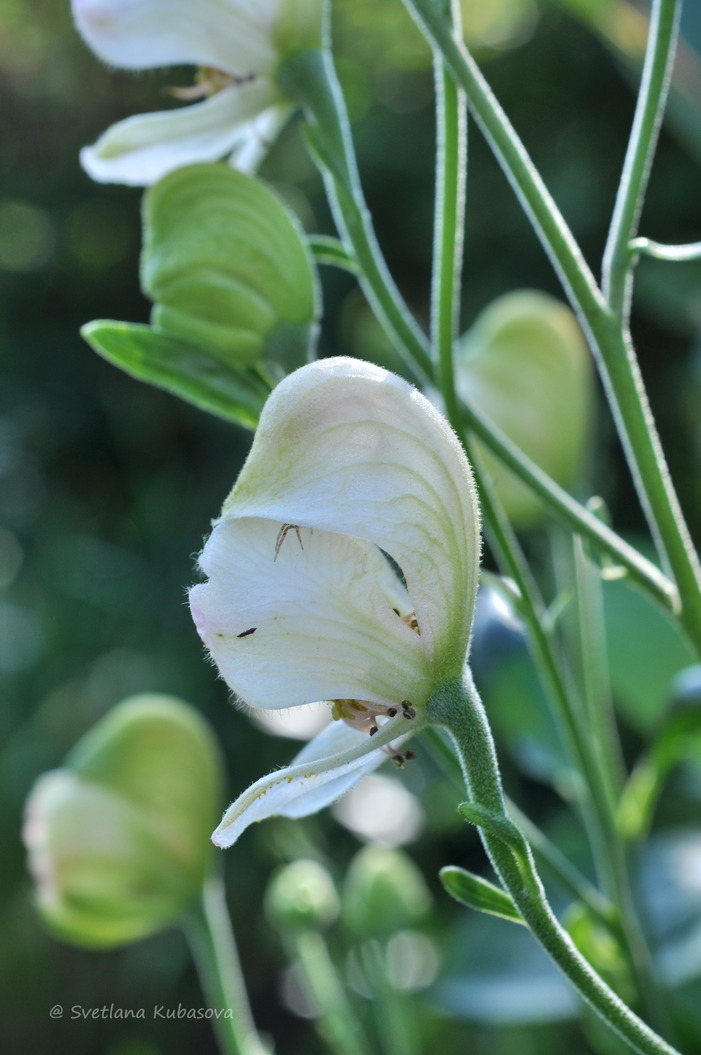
[(611, 346), (458, 708), (652, 97)]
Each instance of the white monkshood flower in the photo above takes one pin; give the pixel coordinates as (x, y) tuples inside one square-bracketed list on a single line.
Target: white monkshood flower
[(343, 569), (237, 46)]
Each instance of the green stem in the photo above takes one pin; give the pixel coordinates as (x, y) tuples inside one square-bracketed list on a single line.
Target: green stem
[(451, 170), (612, 348), (673, 253), (458, 708), (652, 97), (595, 677), (562, 870), (310, 78), (337, 1023), (570, 512), (598, 806), (397, 1024), (213, 946)]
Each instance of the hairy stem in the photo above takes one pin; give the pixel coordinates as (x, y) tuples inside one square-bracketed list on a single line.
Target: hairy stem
[(458, 708)]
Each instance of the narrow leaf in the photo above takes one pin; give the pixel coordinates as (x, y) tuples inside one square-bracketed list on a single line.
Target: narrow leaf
[(180, 368), (478, 893)]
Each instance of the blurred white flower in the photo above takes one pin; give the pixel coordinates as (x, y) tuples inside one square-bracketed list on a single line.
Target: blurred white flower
[(236, 45), (344, 568)]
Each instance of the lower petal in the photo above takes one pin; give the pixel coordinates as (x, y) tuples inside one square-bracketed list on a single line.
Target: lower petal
[(329, 766), (142, 149)]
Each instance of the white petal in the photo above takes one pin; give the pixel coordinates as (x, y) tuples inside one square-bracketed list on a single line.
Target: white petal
[(345, 446), (316, 622), (260, 135), (142, 149), (329, 766), (235, 37)]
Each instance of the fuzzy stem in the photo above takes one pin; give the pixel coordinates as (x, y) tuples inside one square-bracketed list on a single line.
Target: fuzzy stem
[(654, 87), (457, 707)]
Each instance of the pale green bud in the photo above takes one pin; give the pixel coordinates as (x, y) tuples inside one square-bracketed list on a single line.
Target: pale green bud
[(235, 294), (524, 364), (302, 895), (384, 892), (118, 839), (227, 267)]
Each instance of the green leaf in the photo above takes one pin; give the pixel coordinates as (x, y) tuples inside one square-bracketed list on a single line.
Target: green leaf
[(227, 265), (646, 649), (478, 893), (180, 368), (678, 740)]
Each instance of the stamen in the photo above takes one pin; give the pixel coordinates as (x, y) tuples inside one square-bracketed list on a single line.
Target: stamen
[(208, 81)]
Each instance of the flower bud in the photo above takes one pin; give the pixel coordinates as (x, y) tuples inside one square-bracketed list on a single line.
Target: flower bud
[(302, 896), (384, 892), (118, 838), (234, 291), (525, 365)]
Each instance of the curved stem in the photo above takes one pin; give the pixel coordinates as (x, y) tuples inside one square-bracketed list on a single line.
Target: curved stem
[(458, 708), (654, 87), (563, 872), (211, 938), (570, 512), (310, 78)]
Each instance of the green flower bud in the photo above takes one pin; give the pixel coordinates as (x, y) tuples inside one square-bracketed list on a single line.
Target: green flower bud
[(226, 264), (525, 365), (302, 896), (235, 294), (384, 892), (118, 839)]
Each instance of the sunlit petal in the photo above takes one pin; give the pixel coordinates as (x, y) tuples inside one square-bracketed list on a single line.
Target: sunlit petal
[(329, 766), (142, 149), (295, 616), (345, 446), (235, 37)]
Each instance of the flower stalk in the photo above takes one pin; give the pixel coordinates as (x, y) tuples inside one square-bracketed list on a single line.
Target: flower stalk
[(211, 938), (457, 707)]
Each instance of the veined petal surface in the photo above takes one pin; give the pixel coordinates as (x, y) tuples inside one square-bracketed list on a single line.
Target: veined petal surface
[(142, 149), (293, 615), (345, 446), (234, 36), (329, 766)]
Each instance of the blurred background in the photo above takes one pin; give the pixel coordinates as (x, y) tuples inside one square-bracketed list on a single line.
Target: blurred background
[(107, 489)]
